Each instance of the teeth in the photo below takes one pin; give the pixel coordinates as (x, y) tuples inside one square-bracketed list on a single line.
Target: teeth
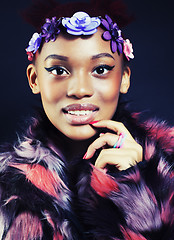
[(82, 112)]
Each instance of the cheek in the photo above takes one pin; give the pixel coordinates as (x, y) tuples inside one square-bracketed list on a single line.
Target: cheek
[(110, 89), (108, 96), (52, 92), (110, 93)]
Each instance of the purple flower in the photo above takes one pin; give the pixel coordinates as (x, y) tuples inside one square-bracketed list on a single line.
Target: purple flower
[(51, 29), (81, 23), (113, 33), (34, 43)]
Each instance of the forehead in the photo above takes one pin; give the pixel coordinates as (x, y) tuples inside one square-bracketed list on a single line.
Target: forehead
[(81, 46)]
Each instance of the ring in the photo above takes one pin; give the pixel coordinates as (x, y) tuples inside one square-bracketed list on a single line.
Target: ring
[(120, 141)]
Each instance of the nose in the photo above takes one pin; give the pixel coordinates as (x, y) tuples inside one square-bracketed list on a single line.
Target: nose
[(80, 86)]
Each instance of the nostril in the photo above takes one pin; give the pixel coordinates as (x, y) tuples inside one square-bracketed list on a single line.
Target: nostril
[(79, 92), (80, 85), (75, 96)]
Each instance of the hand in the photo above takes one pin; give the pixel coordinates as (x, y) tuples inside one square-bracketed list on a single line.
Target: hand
[(129, 155)]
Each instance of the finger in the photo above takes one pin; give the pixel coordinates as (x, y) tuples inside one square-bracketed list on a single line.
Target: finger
[(105, 139), (117, 127), (109, 139), (123, 160)]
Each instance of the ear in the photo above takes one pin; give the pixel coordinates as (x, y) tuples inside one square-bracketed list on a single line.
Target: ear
[(125, 83), (32, 79)]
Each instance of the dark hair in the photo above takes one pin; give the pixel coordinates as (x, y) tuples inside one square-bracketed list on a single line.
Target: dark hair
[(42, 9)]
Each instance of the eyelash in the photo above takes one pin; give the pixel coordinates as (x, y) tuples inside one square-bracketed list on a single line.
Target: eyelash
[(57, 68), (63, 71), (103, 67)]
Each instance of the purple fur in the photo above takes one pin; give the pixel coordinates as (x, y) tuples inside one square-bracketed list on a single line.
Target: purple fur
[(141, 213)]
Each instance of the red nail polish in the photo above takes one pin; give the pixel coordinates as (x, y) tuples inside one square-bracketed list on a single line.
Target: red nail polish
[(93, 122), (84, 157)]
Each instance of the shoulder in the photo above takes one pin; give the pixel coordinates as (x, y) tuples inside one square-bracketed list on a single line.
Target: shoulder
[(153, 134), (33, 187), (160, 133)]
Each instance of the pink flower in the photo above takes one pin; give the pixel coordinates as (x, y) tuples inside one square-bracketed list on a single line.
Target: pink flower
[(30, 56), (128, 49)]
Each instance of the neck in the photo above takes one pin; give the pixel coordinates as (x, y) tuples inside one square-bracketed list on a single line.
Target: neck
[(76, 148), (64, 146), (67, 147)]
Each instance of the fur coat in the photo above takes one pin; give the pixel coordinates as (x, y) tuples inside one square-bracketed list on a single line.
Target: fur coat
[(44, 197)]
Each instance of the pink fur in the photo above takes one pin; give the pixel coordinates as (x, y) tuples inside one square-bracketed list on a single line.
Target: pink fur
[(43, 179), (11, 199), (21, 228), (132, 176), (161, 133), (102, 183), (163, 168), (167, 212), (149, 151), (129, 235)]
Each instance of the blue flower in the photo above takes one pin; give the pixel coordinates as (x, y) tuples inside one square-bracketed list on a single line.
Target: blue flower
[(34, 43), (81, 24)]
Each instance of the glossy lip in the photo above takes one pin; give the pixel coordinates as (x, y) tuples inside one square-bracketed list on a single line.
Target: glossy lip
[(80, 119), (84, 106)]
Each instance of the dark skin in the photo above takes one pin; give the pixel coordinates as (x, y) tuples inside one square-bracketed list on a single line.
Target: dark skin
[(84, 72)]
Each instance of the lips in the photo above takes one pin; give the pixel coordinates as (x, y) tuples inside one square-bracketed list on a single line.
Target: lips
[(80, 113)]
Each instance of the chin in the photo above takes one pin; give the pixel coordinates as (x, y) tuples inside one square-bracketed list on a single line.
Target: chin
[(79, 133)]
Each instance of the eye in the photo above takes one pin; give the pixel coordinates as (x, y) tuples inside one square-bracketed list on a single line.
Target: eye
[(57, 70), (103, 69)]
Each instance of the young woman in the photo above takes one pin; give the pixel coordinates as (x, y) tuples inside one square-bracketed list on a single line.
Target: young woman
[(86, 168)]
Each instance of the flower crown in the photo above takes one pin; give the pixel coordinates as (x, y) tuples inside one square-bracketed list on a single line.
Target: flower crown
[(81, 24)]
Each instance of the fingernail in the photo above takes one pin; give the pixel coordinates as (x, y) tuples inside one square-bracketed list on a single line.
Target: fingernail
[(101, 134), (84, 157), (93, 122)]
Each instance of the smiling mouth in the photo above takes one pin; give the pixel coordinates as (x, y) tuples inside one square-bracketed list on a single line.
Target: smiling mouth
[(80, 113)]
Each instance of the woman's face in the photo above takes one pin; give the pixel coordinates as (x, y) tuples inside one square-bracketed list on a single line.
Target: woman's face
[(79, 80)]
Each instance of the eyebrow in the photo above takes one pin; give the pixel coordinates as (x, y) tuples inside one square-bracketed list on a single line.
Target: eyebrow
[(55, 56), (101, 55), (64, 58)]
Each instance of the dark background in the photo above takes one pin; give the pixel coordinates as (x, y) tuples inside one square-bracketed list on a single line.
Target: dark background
[(152, 82)]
